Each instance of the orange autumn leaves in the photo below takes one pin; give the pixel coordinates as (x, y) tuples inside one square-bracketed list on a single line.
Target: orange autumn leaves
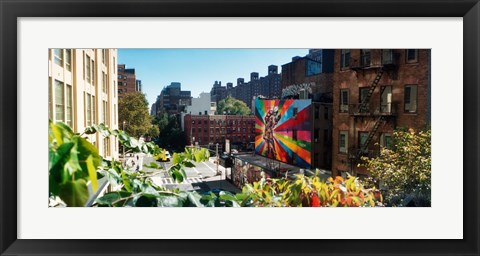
[(313, 192)]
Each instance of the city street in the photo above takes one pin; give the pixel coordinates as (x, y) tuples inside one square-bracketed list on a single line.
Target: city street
[(201, 178)]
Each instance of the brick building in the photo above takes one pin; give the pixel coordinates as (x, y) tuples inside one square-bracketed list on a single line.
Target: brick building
[(318, 73), (127, 81), (375, 92), (311, 77), (211, 129)]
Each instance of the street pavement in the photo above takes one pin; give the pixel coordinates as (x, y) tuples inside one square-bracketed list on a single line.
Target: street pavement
[(201, 178)]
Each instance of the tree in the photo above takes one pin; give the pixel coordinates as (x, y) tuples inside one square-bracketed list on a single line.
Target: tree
[(232, 106), (161, 122), (153, 131), (133, 110), (404, 172), (171, 135)]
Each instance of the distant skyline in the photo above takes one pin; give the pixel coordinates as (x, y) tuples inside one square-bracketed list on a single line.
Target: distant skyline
[(198, 69)]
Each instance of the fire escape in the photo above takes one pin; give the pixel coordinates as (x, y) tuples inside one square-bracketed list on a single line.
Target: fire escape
[(376, 115)]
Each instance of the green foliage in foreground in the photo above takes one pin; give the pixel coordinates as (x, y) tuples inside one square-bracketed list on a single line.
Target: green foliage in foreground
[(405, 170), (74, 161)]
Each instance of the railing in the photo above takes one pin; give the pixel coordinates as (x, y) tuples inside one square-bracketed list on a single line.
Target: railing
[(387, 59), (387, 109)]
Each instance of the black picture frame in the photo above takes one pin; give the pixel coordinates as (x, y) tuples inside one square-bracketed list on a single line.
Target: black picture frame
[(10, 10)]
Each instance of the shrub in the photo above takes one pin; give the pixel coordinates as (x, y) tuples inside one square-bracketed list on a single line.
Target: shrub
[(404, 172)]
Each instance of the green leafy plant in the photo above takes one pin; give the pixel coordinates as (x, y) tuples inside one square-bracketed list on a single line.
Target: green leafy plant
[(404, 171), (74, 162), (307, 191)]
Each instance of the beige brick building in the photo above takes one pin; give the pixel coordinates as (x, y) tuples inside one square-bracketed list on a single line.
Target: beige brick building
[(82, 91)]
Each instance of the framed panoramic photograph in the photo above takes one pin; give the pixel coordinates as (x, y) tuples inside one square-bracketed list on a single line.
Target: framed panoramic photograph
[(239, 128)]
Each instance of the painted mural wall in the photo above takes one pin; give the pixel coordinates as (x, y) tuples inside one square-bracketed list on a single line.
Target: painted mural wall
[(283, 130)]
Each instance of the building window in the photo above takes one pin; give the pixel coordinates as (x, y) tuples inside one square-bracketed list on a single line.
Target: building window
[(119, 76), (68, 59), (103, 56), (343, 100), (106, 146), (363, 94), (362, 140), (58, 56), (386, 99), (325, 135), (294, 134), (105, 112), (411, 55), (325, 113), (386, 140), (87, 71), (387, 57), (316, 133), (93, 73), (343, 142), (94, 111), (59, 101), (69, 104), (89, 110), (104, 82), (83, 66), (410, 99), (114, 65), (345, 58), (365, 57)]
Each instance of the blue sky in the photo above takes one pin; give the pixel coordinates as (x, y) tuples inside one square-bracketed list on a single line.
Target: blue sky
[(198, 69)]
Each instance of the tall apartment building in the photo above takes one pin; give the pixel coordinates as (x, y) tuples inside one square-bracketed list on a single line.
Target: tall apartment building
[(375, 92), (218, 92), (211, 129), (127, 81), (82, 90), (271, 86), (172, 99)]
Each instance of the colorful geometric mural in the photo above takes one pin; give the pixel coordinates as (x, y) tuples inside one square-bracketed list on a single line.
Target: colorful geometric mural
[(283, 130)]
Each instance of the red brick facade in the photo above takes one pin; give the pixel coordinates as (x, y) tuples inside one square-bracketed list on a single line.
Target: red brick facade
[(212, 129), (126, 80), (405, 101), (295, 73)]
